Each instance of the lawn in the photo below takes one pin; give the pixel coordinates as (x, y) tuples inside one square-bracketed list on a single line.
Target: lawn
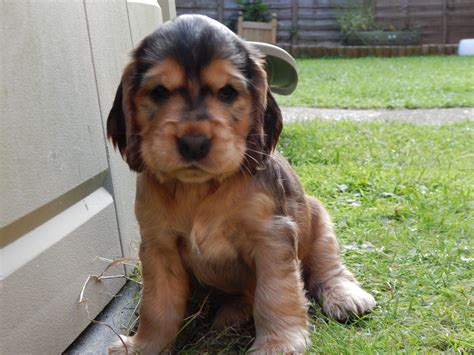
[(401, 197), (410, 82), (402, 200)]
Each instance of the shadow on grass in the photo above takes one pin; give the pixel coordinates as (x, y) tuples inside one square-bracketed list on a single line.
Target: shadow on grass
[(199, 336)]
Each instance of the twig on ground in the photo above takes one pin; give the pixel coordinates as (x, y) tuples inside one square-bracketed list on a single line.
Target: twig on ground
[(100, 277), (123, 261)]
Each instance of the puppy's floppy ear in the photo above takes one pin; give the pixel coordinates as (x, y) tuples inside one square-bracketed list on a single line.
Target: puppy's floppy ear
[(122, 128), (267, 120), (272, 123), (116, 127)]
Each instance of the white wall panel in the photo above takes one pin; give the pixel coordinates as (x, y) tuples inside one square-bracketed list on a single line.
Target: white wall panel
[(51, 139), (39, 309)]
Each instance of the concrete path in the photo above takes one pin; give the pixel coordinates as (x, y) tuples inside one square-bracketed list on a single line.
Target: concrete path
[(96, 338), (424, 116)]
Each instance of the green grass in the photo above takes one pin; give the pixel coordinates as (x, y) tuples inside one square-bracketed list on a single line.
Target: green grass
[(401, 197), (410, 82)]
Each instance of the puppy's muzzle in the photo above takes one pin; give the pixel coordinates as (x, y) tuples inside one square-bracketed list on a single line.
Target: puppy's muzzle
[(194, 147)]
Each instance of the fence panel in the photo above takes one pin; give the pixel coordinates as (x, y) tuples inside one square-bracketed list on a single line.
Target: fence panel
[(313, 22), (460, 20)]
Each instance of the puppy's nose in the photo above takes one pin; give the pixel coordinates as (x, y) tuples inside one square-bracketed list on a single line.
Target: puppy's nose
[(194, 147)]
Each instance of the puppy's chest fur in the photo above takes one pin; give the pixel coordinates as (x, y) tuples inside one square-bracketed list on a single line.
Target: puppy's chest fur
[(214, 227)]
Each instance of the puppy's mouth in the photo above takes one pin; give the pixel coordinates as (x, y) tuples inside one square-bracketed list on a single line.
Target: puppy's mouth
[(193, 173)]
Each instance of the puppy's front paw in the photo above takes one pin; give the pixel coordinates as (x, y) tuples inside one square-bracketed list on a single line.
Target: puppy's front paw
[(275, 349), (342, 298), (295, 341), (122, 347), (133, 347)]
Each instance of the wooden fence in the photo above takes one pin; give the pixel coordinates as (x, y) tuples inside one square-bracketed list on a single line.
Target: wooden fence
[(439, 21), (313, 22)]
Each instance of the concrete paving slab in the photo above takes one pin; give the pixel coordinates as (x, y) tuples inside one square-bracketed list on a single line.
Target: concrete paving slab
[(420, 116), (118, 313)]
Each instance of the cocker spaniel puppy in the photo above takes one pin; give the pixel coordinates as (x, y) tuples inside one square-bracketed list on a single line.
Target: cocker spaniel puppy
[(215, 202)]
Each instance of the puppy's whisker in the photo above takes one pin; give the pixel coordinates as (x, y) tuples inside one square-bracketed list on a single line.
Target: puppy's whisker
[(246, 168), (244, 165), (257, 134), (259, 152), (251, 157)]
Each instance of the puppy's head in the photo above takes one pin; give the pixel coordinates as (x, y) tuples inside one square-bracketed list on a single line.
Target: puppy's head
[(194, 104)]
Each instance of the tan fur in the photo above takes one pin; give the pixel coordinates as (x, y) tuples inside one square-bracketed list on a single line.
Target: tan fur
[(255, 237), (221, 72), (169, 74)]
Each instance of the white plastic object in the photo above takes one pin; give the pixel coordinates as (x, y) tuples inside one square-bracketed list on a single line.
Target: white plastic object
[(466, 46), (281, 68)]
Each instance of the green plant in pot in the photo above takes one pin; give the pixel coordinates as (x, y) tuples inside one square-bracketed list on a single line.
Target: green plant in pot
[(360, 28), (252, 10)]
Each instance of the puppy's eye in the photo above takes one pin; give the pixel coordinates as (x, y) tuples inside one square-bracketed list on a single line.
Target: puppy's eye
[(159, 93), (227, 94)]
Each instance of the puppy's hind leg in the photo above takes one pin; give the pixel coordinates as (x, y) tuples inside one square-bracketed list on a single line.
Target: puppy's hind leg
[(326, 278)]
